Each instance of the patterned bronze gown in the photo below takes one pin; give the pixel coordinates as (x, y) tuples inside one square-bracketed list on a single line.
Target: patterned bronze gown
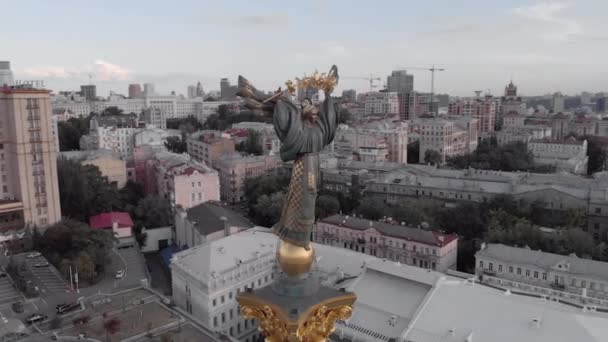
[(301, 142)]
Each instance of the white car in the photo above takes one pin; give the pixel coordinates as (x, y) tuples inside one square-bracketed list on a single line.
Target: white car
[(33, 255), (120, 274)]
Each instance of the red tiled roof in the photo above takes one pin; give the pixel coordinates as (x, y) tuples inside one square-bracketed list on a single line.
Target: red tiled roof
[(105, 220), (190, 170)]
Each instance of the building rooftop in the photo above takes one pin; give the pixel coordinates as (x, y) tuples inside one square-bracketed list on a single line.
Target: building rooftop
[(405, 303), (106, 220), (89, 154), (526, 256), (428, 237), (208, 217), (568, 141)]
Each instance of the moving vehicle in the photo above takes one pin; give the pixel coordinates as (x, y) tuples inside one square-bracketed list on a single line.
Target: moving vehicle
[(35, 318), (120, 274), (41, 264), (33, 255), (65, 308)]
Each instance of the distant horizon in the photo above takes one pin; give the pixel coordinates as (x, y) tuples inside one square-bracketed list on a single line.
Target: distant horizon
[(543, 46)]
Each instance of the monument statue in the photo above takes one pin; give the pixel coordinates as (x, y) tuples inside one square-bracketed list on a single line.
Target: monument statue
[(304, 130), (297, 307)]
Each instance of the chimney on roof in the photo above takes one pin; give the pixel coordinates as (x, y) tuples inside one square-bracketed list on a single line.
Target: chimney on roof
[(224, 220)]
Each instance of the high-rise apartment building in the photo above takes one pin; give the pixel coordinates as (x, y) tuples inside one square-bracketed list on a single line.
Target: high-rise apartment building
[(199, 90), (29, 192), (191, 91), (6, 75), (349, 95), (149, 89), (484, 110), (400, 82), (227, 91), (558, 102), (89, 92), (381, 103), (135, 91)]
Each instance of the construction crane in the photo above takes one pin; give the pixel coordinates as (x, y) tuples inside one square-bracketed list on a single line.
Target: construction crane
[(371, 79), (432, 70)]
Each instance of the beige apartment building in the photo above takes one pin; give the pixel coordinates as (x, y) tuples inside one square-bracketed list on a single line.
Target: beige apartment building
[(209, 146), (28, 168), (108, 162), (451, 136), (235, 169)]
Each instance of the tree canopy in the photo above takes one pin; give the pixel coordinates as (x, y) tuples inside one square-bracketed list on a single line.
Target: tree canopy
[(72, 243), (432, 157), (84, 191), (491, 156), (252, 145)]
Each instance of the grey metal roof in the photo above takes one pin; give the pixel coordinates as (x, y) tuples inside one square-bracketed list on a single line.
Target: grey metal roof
[(208, 218), (394, 230), (545, 260)]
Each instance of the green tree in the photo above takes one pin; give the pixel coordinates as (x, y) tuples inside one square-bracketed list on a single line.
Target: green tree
[(263, 185), (154, 211), (432, 157), (268, 209), (326, 205), (69, 136), (112, 111), (74, 243), (372, 209), (252, 145), (130, 195), (413, 152), (577, 241), (84, 191), (176, 145), (345, 116)]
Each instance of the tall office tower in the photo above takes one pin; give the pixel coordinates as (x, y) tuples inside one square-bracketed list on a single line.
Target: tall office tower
[(199, 90), (149, 89), (6, 75), (558, 102), (135, 91), (224, 87), (400, 82), (349, 95), (89, 92), (191, 91), (29, 192)]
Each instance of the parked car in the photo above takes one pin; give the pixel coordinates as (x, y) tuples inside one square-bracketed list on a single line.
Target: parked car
[(120, 274), (17, 307), (35, 318), (33, 255)]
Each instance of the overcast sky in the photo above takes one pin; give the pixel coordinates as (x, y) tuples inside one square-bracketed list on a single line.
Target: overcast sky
[(545, 46)]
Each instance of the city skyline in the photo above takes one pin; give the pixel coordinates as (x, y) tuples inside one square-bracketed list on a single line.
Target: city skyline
[(543, 46)]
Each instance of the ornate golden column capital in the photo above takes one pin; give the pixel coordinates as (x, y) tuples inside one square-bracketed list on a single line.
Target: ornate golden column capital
[(315, 324)]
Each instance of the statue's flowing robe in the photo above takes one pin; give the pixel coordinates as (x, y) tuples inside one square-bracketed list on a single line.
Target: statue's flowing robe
[(301, 142)]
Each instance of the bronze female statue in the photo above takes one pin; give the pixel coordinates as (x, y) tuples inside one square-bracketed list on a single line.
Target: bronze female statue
[(304, 131)]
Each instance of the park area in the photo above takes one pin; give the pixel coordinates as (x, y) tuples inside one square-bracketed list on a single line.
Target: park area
[(138, 320)]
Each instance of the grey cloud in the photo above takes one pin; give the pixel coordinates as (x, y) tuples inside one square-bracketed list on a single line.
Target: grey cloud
[(270, 20)]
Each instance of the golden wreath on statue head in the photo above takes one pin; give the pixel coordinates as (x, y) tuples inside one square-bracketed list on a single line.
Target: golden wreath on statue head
[(324, 81)]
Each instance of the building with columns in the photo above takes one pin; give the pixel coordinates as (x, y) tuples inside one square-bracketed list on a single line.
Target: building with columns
[(390, 240), (29, 192)]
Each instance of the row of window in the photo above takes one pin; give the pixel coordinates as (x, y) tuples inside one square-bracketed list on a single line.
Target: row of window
[(535, 275)]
